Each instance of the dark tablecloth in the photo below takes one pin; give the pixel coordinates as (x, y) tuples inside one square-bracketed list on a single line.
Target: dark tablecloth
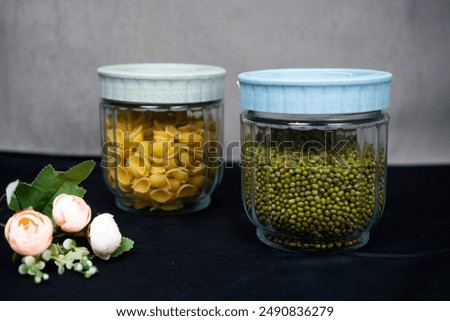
[(215, 255)]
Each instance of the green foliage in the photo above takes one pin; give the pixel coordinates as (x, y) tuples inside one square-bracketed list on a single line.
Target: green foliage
[(126, 245), (69, 256), (33, 266), (49, 183), (63, 251)]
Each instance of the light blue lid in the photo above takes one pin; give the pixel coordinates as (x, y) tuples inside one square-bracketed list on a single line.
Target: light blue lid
[(315, 91)]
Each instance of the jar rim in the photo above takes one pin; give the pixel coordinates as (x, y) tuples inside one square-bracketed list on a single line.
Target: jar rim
[(161, 71), (324, 121), (314, 77)]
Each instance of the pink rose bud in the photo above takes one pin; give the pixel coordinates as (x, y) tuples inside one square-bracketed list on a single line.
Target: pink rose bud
[(71, 213), (29, 232), (104, 235)]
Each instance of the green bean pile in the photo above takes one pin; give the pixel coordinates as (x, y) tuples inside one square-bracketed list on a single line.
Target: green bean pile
[(316, 203)]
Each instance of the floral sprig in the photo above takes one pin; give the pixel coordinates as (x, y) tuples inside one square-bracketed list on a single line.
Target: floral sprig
[(51, 218)]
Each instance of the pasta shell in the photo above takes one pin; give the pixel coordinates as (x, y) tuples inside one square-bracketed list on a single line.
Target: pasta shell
[(124, 180), (197, 181), (184, 137), (171, 207), (200, 132), (157, 170), (187, 190), (186, 158), (137, 166), (157, 125), (179, 174), (119, 136), (171, 130), (148, 133), (198, 154), (160, 195), (198, 138), (159, 181), (171, 163), (158, 149), (163, 149), (174, 184), (141, 185), (144, 148), (162, 139), (162, 136), (123, 176), (121, 122), (137, 135), (140, 204), (187, 128)]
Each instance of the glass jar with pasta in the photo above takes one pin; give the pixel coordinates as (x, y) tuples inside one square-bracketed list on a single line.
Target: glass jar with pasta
[(161, 135)]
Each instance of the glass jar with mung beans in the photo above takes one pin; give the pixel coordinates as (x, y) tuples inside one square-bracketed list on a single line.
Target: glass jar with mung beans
[(161, 135), (314, 155)]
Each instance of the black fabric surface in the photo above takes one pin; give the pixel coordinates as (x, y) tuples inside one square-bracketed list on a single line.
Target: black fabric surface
[(215, 255)]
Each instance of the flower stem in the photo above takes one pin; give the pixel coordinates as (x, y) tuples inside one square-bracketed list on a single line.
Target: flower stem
[(64, 234)]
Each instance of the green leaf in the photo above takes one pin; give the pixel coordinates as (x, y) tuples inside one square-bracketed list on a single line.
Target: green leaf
[(78, 173), (46, 176), (28, 196), (126, 245), (47, 185)]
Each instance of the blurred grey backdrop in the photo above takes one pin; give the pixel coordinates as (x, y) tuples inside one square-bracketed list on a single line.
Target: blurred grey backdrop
[(50, 50)]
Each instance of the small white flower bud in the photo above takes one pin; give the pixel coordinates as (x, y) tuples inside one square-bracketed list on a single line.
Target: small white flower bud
[(104, 235)]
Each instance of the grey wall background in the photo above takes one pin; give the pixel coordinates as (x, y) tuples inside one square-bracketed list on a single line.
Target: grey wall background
[(50, 50)]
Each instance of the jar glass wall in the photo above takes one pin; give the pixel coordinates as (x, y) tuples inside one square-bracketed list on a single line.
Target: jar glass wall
[(162, 135), (314, 182), (162, 159), (314, 155)]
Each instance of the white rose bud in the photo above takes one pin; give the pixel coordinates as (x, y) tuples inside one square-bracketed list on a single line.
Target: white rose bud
[(104, 235)]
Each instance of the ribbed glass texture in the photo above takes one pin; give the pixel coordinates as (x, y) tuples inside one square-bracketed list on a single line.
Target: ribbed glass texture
[(162, 159), (314, 183)]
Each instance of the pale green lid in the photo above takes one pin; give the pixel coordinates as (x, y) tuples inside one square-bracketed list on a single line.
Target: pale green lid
[(162, 83)]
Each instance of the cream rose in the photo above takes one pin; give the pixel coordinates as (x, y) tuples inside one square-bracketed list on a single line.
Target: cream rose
[(104, 235), (29, 232), (71, 213)]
